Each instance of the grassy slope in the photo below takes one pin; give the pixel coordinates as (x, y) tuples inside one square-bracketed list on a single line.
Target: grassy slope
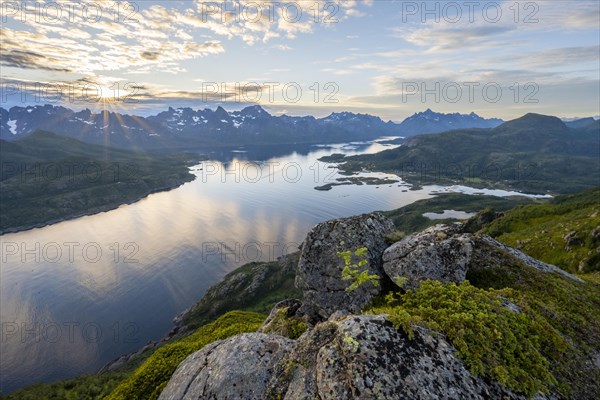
[(148, 381), (242, 289), (47, 177), (542, 231), (533, 153)]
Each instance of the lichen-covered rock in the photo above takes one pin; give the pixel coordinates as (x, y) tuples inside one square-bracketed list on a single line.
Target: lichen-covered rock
[(319, 269), (236, 368), (439, 253), (365, 357), (447, 254)]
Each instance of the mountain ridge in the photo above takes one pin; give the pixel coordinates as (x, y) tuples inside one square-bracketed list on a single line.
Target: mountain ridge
[(184, 127)]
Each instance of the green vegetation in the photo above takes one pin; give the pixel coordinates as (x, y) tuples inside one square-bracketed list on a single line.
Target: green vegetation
[(352, 272), (147, 382), (394, 237), (535, 153), (410, 218), (508, 347), (570, 308), (46, 178), (284, 325), (544, 346), (564, 232), (88, 387), (252, 287)]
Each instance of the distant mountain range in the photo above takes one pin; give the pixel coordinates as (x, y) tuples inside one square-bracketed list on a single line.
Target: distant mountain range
[(185, 127), (432, 122)]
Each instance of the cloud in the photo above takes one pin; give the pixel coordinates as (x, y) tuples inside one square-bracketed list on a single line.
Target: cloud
[(29, 60), (282, 47), (563, 56), (441, 38)]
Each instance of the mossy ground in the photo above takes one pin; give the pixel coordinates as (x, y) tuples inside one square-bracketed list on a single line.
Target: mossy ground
[(544, 348), (492, 340), (287, 326)]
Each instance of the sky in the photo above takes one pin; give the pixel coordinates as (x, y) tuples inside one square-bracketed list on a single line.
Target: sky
[(313, 57)]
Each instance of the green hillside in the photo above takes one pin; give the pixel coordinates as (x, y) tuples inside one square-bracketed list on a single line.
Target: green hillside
[(534, 153), (564, 232), (46, 178)]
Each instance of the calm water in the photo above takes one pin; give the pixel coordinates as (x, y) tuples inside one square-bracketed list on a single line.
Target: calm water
[(78, 294)]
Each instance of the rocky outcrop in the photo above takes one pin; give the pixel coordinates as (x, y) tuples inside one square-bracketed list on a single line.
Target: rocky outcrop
[(319, 269), (236, 368), (365, 357), (439, 253), (244, 287), (447, 254), (354, 357), (339, 354)]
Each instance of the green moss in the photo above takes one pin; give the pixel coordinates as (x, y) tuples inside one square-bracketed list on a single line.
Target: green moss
[(394, 237), (152, 376), (286, 326), (510, 348)]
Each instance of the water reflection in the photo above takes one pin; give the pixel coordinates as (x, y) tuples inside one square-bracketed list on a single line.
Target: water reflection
[(126, 273)]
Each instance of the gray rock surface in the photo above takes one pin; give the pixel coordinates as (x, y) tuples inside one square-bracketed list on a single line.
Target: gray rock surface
[(365, 357), (236, 368), (445, 253), (319, 269), (350, 357), (438, 253)]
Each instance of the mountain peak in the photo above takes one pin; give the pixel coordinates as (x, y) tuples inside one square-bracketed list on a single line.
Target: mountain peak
[(430, 121), (535, 121), (255, 110)]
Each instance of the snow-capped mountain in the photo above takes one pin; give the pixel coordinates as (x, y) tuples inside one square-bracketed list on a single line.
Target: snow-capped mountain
[(183, 127), (432, 122)]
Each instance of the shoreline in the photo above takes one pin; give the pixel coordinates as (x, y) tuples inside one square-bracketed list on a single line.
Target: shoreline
[(99, 210)]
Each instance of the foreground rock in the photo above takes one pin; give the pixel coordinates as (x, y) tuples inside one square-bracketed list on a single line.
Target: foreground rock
[(236, 368), (355, 357), (319, 269)]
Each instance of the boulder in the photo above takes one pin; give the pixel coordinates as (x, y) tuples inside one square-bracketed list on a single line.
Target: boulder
[(236, 368), (447, 254), (319, 273), (365, 357), (439, 253)]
